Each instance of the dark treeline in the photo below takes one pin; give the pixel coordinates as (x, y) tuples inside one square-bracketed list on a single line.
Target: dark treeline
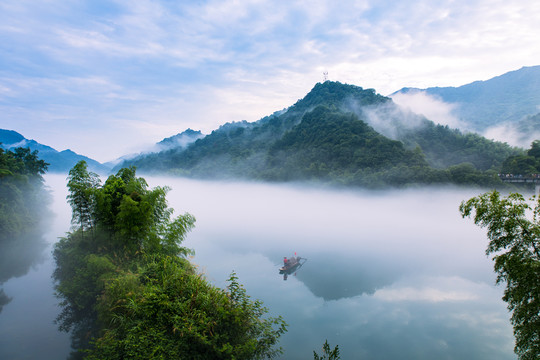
[(21, 185), (527, 164), (127, 290)]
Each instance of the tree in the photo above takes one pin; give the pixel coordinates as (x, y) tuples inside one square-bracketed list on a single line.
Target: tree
[(170, 312), (513, 228), (22, 195), (327, 353), (535, 149), (82, 195), (128, 292)]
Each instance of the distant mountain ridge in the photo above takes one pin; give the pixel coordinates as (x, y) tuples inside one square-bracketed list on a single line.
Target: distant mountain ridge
[(59, 161), (507, 98), (182, 139), (337, 133)]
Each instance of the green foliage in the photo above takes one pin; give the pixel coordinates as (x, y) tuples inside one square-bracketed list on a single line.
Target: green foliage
[(21, 190), (534, 151), (23, 203), (335, 146), (524, 164), (327, 353), (127, 292), (325, 137), (513, 228), (446, 147), (170, 312), (82, 187)]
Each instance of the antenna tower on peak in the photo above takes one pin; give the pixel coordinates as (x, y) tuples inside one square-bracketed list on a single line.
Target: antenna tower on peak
[(325, 74)]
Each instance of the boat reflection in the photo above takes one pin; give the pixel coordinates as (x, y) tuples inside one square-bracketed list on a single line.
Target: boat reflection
[(291, 265)]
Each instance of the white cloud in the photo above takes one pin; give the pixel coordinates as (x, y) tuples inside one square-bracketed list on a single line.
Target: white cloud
[(508, 133), (424, 294), (431, 107)]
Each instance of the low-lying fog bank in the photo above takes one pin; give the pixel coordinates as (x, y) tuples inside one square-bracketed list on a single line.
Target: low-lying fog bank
[(396, 274)]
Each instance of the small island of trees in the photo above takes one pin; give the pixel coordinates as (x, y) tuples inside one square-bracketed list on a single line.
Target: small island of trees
[(128, 291)]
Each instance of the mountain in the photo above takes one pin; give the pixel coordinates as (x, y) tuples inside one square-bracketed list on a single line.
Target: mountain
[(181, 140), (178, 141), (505, 99), (59, 161), (337, 133)]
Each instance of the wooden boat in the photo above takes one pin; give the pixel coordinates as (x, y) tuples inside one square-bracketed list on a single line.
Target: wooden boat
[(290, 265)]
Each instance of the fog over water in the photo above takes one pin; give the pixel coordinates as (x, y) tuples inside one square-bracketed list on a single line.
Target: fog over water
[(389, 275), (27, 329)]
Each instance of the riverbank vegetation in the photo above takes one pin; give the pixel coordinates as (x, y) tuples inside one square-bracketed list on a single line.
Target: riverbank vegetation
[(513, 228), (21, 190), (23, 201), (128, 291)]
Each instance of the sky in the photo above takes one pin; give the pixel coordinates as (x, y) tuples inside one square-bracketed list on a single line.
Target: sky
[(110, 78)]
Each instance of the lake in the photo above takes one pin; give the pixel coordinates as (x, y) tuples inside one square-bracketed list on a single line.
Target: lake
[(389, 274)]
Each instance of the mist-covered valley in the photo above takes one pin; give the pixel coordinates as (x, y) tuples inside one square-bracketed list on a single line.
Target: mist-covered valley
[(354, 184), (395, 273), (390, 274)]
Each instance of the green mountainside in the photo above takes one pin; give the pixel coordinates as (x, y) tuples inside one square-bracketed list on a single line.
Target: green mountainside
[(340, 134)]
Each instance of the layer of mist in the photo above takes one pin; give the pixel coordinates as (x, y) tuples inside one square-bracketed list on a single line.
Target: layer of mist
[(431, 107), (396, 274), (393, 274), (29, 308)]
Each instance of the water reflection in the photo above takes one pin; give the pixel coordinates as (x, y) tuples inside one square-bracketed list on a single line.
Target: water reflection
[(392, 275), (334, 276), (29, 308), (19, 253)]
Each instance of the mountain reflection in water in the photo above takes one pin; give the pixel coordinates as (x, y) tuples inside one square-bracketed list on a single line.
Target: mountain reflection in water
[(391, 275)]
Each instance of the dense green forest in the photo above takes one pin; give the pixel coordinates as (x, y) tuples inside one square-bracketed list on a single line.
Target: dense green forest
[(128, 291), (527, 164), (513, 230), (338, 134), (21, 190)]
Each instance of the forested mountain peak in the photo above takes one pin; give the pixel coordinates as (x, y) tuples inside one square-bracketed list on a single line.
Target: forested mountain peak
[(333, 94), (337, 133)]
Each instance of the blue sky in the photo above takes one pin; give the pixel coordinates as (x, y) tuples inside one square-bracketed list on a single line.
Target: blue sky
[(107, 78)]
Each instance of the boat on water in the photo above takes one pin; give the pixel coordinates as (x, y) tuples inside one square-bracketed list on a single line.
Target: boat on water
[(291, 265)]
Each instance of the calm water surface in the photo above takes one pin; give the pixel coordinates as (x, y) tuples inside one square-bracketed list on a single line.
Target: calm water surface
[(27, 329), (389, 275)]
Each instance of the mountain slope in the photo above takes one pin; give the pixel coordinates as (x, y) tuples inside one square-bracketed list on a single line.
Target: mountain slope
[(337, 133), (483, 104), (61, 161)]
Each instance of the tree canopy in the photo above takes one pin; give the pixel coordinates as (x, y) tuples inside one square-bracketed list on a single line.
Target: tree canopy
[(513, 230), (127, 290), (525, 164), (21, 189)]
